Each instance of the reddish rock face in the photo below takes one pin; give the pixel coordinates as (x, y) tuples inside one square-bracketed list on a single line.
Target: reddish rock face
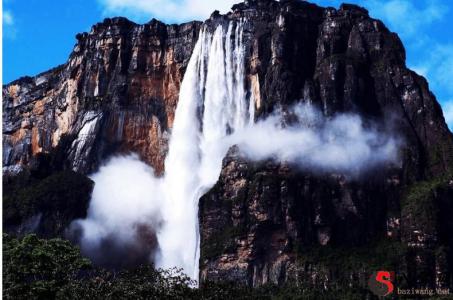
[(117, 93)]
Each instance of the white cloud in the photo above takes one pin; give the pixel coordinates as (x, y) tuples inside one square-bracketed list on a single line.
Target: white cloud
[(166, 10), (404, 17), (9, 28), (442, 66), (342, 143), (8, 18), (123, 182), (412, 20), (437, 66)]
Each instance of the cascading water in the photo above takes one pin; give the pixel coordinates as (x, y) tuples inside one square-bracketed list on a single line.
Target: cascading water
[(212, 104)]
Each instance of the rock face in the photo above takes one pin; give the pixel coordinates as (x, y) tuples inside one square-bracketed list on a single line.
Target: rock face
[(267, 222), (46, 206), (117, 93), (264, 222)]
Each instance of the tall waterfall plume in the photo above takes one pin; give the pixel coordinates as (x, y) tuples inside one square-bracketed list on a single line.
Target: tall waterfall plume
[(212, 104)]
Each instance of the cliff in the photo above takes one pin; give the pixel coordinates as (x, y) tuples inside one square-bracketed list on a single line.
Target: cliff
[(117, 93), (263, 222), (269, 222)]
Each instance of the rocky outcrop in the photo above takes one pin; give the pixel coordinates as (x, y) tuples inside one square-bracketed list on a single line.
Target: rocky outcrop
[(264, 222), (117, 93), (269, 222)]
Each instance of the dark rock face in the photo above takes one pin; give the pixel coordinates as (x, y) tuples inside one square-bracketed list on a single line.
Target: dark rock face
[(117, 93), (45, 206), (259, 218), (262, 222), (265, 221)]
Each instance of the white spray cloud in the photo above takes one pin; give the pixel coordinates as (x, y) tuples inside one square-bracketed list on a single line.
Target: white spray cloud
[(316, 143), (125, 209)]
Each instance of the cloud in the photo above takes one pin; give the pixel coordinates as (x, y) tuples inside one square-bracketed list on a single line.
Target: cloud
[(404, 17), (9, 28), (437, 66), (8, 18), (412, 20), (166, 10)]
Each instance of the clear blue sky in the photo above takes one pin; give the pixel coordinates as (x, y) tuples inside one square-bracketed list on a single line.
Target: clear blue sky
[(38, 35)]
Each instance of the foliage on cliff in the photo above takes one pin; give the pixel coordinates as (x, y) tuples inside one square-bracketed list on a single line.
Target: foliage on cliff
[(35, 268)]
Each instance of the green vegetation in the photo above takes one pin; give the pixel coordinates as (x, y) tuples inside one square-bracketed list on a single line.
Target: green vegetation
[(423, 189), (36, 268), (349, 268), (419, 201), (383, 254)]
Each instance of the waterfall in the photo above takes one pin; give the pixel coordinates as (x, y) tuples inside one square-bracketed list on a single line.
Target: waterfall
[(214, 112), (212, 104)]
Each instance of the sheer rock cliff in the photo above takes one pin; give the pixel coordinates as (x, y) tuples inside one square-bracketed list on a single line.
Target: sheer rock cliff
[(117, 93)]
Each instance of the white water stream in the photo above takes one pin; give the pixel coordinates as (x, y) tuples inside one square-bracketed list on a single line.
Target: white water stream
[(212, 104)]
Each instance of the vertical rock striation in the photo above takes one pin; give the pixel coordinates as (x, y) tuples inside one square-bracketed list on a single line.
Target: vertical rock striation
[(117, 93)]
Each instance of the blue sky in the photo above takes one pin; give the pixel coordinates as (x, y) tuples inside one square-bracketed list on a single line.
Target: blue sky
[(40, 34)]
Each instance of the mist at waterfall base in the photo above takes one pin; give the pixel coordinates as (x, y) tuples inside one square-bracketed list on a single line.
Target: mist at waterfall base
[(130, 207), (119, 231)]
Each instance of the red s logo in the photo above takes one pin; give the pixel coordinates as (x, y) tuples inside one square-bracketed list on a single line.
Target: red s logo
[(385, 277), (381, 283)]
